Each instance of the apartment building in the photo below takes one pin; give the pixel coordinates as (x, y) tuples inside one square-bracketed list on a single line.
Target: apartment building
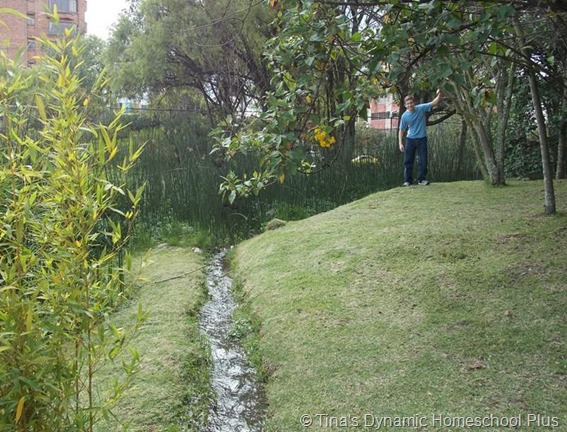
[(18, 32), (384, 113)]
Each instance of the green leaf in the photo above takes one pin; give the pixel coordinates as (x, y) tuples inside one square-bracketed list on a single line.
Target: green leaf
[(113, 353), (356, 37), (40, 108)]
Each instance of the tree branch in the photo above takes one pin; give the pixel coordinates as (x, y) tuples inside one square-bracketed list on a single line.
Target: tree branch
[(441, 119)]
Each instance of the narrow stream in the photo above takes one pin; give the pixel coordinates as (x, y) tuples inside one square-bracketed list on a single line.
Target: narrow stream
[(239, 406)]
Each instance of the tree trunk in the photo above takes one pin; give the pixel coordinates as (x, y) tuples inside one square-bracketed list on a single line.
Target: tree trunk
[(504, 89), (544, 147), (495, 170), (491, 170), (560, 168), (462, 144), (349, 139), (478, 151), (560, 171), (549, 200)]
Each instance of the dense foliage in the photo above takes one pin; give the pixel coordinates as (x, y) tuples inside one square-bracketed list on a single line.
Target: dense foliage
[(181, 204), (322, 61), (207, 52), (63, 229), (329, 58)]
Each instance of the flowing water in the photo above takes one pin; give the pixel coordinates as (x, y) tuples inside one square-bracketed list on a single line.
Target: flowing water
[(239, 403)]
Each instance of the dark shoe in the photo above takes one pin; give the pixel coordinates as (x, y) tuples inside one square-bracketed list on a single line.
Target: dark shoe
[(424, 182)]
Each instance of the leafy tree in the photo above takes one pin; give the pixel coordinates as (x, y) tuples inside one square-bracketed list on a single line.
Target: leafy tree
[(210, 48), (448, 46), (468, 49), (546, 47), (540, 121), (321, 83), (90, 69), (547, 37), (378, 48)]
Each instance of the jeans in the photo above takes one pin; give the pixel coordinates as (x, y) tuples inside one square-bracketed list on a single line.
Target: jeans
[(413, 146)]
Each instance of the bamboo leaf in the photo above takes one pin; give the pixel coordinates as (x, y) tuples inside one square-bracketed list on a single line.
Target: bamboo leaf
[(113, 153), (11, 11), (20, 408), (136, 154), (114, 352), (139, 192), (41, 108), (107, 140)]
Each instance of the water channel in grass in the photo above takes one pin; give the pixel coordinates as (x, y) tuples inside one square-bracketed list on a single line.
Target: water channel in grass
[(239, 404)]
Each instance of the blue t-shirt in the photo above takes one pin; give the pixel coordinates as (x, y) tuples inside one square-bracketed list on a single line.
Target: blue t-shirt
[(415, 121)]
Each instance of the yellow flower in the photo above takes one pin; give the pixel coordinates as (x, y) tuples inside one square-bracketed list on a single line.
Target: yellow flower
[(322, 138)]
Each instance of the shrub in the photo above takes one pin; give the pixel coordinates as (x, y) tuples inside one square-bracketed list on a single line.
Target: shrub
[(62, 239)]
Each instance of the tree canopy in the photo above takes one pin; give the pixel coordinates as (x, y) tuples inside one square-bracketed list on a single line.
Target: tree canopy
[(330, 57), (210, 49), (288, 79)]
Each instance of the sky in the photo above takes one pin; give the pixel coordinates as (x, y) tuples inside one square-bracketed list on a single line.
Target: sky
[(101, 15)]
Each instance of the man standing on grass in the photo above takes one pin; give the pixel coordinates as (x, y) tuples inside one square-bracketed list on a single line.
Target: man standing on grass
[(413, 121)]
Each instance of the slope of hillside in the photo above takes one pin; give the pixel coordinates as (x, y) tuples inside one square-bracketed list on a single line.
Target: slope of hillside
[(426, 305)]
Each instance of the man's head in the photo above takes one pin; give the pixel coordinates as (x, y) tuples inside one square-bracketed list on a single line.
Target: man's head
[(409, 103)]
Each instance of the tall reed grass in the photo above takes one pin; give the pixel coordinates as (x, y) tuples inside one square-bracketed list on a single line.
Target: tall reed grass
[(182, 179)]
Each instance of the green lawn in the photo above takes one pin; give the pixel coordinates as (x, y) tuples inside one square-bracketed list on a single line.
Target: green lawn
[(171, 391), (424, 302)]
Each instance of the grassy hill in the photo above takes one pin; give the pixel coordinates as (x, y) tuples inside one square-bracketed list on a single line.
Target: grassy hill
[(425, 302)]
